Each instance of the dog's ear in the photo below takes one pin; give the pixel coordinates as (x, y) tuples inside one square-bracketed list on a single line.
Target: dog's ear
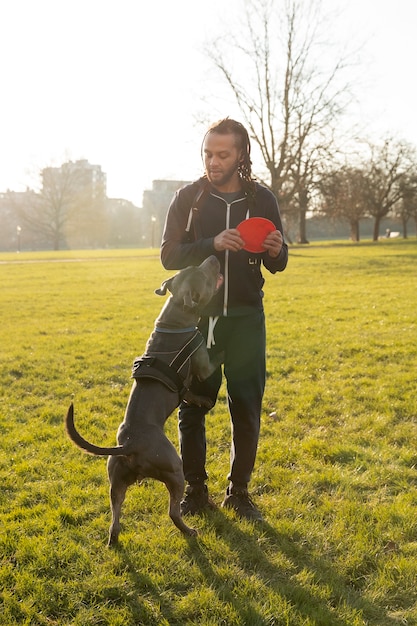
[(166, 285)]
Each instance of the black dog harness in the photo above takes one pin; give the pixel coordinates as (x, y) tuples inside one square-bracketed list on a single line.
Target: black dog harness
[(172, 366)]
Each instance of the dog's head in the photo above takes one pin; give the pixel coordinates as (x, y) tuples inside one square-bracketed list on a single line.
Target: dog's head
[(193, 287)]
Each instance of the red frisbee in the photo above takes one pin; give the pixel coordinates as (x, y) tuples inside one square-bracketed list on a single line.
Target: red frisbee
[(254, 231)]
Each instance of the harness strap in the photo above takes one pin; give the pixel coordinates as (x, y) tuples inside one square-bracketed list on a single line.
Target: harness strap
[(187, 351), (147, 365)]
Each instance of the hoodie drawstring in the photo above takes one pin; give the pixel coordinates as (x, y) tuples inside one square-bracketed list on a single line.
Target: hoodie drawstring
[(212, 321)]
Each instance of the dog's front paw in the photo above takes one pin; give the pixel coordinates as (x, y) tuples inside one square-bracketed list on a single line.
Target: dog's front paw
[(206, 402), (201, 401), (220, 357)]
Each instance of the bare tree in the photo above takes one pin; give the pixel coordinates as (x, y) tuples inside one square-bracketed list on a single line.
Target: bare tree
[(407, 207), (10, 229), (290, 100), (67, 206), (389, 165), (342, 197)]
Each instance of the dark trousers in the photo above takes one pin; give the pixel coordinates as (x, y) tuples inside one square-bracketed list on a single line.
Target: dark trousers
[(242, 339)]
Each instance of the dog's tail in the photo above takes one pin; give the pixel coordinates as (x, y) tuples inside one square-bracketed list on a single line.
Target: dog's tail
[(82, 443)]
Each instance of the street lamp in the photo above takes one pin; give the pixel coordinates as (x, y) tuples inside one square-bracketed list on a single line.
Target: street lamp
[(18, 234), (153, 220)]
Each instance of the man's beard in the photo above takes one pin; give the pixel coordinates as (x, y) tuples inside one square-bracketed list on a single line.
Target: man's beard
[(221, 181)]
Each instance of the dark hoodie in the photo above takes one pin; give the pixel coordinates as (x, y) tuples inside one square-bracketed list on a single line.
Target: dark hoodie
[(189, 234)]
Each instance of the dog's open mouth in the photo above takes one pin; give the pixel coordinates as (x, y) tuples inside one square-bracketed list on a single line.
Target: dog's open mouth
[(220, 281)]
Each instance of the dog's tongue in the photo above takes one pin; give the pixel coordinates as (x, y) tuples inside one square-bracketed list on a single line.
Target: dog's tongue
[(219, 281)]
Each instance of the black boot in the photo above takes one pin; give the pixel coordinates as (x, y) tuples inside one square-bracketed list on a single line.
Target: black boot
[(196, 499), (240, 501)]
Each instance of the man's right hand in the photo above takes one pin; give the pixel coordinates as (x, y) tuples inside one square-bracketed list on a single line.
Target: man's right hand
[(228, 239)]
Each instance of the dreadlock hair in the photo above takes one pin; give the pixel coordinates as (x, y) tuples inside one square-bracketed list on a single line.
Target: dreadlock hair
[(228, 126)]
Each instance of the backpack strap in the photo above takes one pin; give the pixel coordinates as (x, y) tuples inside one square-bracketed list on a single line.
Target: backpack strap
[(203, 191)]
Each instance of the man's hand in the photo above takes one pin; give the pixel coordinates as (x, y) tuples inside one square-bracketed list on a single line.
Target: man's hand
[(273, 243), (228, 239)]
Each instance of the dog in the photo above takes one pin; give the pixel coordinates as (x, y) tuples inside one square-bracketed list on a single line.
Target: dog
[(174, 354)]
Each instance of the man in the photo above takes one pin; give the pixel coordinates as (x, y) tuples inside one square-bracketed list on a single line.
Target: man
[(201, 221)]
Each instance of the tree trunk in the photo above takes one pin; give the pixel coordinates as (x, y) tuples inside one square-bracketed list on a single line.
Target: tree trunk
[(376, 228), (302, 232), (404, 221), (354, 230)]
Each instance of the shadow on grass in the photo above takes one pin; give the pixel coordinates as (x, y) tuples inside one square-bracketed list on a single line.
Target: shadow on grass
[(145, 588), (253, 559)]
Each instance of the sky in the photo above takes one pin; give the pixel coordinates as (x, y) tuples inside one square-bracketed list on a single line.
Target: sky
[(125, 83)]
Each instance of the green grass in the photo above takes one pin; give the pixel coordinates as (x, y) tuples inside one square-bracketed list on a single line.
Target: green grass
[(336, 474)]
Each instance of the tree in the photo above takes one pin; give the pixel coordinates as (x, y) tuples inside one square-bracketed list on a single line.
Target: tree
[(407, 206), (124, 223), (389, 165), (342, 196), (289, 99), (10, 230)]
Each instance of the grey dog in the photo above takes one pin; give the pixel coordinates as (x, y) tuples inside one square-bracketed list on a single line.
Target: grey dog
[(175, 353)]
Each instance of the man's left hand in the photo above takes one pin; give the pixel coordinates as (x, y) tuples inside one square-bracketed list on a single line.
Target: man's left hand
[(273, 243)]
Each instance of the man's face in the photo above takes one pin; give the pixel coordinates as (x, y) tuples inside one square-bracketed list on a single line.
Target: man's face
[(221, 160)]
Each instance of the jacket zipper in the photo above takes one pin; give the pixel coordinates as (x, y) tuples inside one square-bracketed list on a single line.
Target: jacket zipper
[(226, 253)]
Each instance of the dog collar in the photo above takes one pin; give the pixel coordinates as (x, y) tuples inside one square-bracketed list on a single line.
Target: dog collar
[(190, 329)]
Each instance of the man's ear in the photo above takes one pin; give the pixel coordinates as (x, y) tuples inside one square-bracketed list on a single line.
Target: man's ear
[(166, 285)]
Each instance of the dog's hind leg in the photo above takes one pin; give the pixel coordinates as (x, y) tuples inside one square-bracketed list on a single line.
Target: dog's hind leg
[(117, 496), (175, 484), (120, 480)]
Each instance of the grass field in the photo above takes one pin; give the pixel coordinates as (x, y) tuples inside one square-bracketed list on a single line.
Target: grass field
[(336, 474)]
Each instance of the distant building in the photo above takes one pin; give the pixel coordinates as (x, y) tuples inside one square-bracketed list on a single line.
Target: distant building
[(124, 221), (72, 210), (155, 205), (88, 179)]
